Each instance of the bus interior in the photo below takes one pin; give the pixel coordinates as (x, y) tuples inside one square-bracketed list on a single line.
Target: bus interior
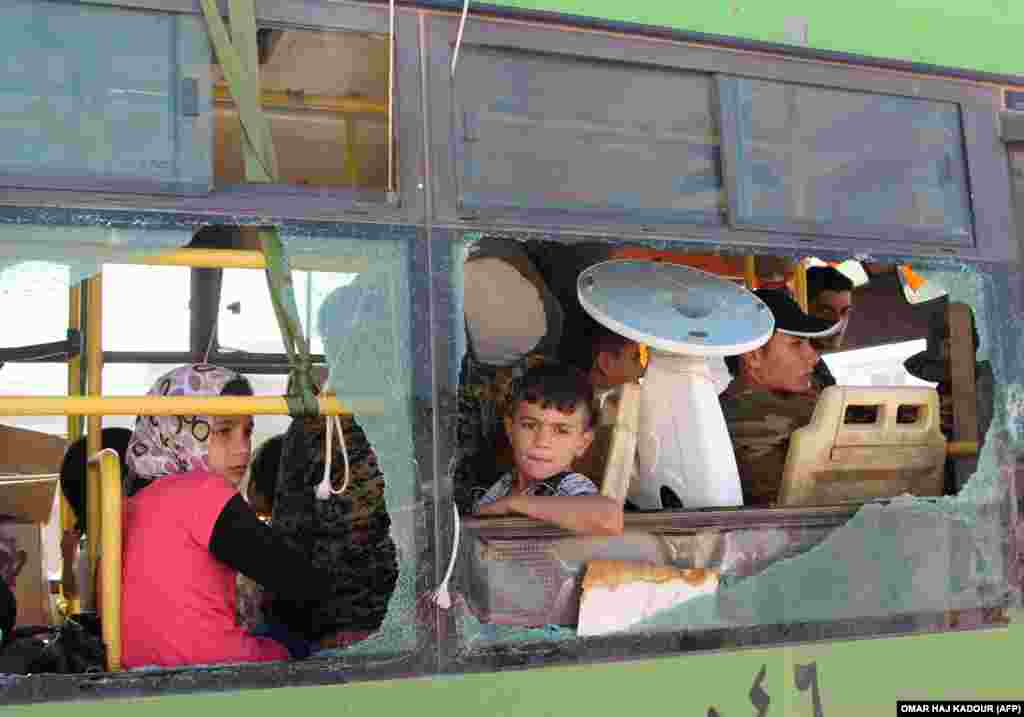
[(424, 296), (526, 574), (522, 579)]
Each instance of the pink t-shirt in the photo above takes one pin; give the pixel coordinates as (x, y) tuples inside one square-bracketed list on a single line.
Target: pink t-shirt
[(178, 601)]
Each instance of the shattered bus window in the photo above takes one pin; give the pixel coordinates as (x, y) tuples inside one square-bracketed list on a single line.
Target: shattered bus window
[(879, 532)]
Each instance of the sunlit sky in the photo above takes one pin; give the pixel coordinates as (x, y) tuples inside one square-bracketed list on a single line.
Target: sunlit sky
[(145, 308)]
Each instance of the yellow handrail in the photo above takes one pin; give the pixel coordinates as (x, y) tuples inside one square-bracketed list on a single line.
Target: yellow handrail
[(94, 378), (105, 498), (72, 604), (170, 406), (800, 285), (750, 272), (961, 449), (74, 363), (305, 101), (246, 259)]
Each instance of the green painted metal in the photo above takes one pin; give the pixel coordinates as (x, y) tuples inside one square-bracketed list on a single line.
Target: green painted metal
[(981, 35), (237, 54), (863, 677), (854, 678)]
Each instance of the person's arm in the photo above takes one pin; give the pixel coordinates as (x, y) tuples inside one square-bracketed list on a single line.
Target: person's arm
[(242, 541), (69, 544), (585, 514)]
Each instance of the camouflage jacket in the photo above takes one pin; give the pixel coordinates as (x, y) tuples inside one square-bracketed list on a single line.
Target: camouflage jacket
[(760, 423)]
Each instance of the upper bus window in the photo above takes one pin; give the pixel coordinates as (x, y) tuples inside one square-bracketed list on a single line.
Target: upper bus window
[(325, 96), (98, 97), (557, 135), (847, 163)]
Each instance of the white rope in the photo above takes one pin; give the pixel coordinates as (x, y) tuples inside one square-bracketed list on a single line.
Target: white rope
[(213, 335), (209, 345), (458, 37), (325, 489), (441, 596)]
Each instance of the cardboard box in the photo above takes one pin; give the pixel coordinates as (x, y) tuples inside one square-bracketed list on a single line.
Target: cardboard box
[(21, 565), (27, 499), (25, 452), (29, 518)]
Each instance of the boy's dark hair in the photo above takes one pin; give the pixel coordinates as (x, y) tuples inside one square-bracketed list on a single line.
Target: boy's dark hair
[(733, 364), (265, 464), (237, 387), (555, 385), (605, 340), (72, 468), (826, 278), (592, 340)]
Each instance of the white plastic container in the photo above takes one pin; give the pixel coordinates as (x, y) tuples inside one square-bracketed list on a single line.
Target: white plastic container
[(688, 318), (683, 444)]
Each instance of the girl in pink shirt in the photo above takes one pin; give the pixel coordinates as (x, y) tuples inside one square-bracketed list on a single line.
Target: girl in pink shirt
[(188, 532)]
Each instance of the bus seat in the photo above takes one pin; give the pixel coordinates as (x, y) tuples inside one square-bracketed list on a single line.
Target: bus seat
[(610, 458), (499, 274), (864, 443), (969, 389)]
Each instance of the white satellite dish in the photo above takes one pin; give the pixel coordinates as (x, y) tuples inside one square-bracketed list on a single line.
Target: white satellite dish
[(684, 454)]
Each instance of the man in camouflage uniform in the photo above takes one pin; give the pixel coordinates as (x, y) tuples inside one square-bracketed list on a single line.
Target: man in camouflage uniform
[(770, 395)]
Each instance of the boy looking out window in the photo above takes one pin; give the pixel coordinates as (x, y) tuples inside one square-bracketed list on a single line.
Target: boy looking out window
[(550, 424)]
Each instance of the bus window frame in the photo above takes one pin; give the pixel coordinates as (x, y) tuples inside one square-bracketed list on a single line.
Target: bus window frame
[(735, 157), (494, 654), (281, 202), (987, 175), (437, 315)]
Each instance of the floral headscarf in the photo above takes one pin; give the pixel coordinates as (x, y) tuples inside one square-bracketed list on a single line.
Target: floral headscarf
[(166, 445)]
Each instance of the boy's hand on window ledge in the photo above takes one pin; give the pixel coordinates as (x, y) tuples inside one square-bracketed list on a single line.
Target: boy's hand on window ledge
[(502, 506)]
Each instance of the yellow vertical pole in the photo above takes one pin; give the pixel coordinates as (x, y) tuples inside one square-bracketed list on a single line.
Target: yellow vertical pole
[(750, 271), (67, 517), (351, 158), (800, 285), (94, 378), (105, 473), (75, 362)]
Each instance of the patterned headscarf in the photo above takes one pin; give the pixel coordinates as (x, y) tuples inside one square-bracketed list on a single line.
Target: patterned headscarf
[(166, 445)]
